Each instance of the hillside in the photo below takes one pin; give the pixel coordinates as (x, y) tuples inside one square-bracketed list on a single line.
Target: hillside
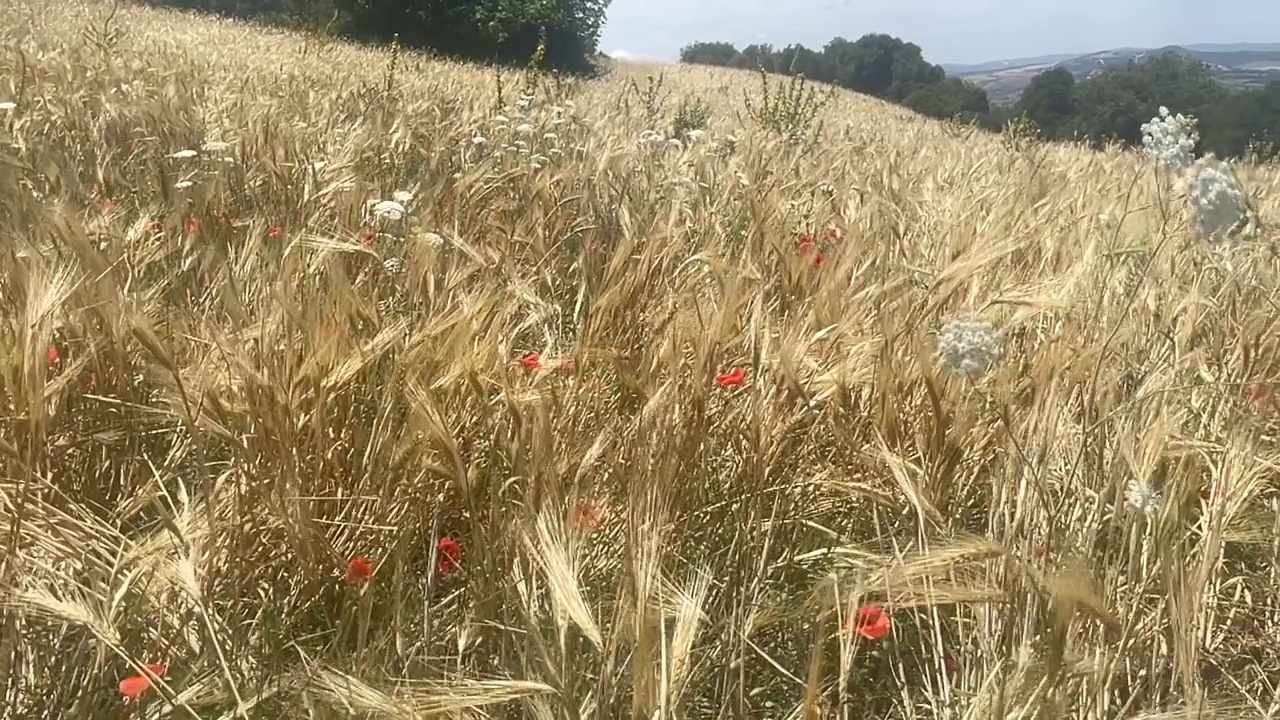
[(1246, 68), (341, 383)]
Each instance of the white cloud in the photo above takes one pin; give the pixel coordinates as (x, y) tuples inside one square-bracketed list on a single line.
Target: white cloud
[(621, 55)]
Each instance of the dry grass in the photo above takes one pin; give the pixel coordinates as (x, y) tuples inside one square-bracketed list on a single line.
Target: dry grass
[(236, 411)]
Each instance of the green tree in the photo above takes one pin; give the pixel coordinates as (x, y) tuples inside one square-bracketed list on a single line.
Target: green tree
[(1049, 101), (880, 65), (953, 98), (709, 53), (1114, 105), (1244, 121), (756, 57), (800, 60)]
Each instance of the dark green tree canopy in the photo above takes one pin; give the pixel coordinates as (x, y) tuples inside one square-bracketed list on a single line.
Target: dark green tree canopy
[(498, 30)]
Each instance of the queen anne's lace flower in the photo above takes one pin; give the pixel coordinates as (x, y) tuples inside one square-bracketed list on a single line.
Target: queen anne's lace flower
[(389, 210), (1170, 140), (1218, 203), (1143, 497), (968, 346)]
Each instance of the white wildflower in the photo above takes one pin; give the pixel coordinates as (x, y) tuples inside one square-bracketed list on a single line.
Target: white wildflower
[(524, 129), (182, 184), (695, 135), (479, 140), (1170, 140), (7, 105), (969, 346), (389, 210), (1218, 203), (403, 197), (184, 154), (1143, 497), (433, 239)]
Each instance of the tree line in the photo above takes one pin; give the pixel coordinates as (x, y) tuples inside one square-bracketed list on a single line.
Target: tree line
[(1109, 107), (879, 65), (556, 34)]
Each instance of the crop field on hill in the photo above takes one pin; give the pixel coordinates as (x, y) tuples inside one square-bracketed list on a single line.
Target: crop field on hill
[(342, 382)]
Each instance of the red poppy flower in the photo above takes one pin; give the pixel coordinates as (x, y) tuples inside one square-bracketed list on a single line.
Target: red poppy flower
[(193, 225), (819, 260), (587, 514), (275, 231), (53, 355), (448, 556), (1260, 394), (134, 686), (531, 361), (368, 236), (359, 569), (733, 378), (950, 664), (871, 622), (805, 244)]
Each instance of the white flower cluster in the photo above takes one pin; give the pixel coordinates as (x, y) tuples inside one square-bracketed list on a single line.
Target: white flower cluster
[(968, 345), (1143, 497), (1170, 140), (651, 137), (393, 210), (526, 130), (1219, 206)]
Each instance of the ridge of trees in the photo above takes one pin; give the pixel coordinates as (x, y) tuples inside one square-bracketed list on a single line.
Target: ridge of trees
[(1105, 108), (876, 64)]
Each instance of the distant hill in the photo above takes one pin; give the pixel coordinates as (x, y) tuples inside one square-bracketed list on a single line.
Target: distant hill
[(1241, 66)]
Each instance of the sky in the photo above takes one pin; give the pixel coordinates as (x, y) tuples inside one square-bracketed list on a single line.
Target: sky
[(958, 31)]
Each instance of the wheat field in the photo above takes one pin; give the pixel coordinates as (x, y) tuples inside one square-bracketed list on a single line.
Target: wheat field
[(587, 431)]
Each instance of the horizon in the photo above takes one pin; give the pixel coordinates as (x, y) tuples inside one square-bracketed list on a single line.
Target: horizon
[(967, 32)]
